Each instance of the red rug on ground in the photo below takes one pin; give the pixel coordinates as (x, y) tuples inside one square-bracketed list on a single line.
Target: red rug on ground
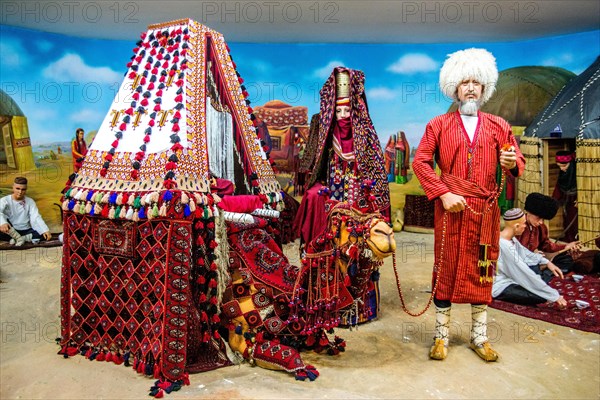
[(587, 319)]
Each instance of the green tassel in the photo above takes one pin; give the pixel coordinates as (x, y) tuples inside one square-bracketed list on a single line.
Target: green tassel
[(155, 210)]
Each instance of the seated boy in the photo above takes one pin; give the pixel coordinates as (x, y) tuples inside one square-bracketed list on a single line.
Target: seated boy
[(515, 281)]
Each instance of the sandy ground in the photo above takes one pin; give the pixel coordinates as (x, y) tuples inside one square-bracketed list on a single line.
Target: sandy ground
[(385, 359)]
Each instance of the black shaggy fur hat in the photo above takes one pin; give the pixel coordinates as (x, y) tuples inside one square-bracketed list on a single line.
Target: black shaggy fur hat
[(541, 205)]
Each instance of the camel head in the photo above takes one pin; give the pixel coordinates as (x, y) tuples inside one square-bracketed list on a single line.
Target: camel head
[(365, 230)]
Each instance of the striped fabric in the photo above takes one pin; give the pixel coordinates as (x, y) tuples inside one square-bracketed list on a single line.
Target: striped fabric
[(447, 142)]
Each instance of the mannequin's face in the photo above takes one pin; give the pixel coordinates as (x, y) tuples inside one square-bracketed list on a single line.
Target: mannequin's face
[(469, 90), (563, 166), (534, 220), (520, 226), (342, 112), (19, 190)]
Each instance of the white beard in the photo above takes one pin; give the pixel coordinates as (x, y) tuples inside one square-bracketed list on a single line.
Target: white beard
[(469, 107)]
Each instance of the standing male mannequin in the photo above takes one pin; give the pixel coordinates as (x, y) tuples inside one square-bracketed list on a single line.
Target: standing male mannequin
[(467, 146)]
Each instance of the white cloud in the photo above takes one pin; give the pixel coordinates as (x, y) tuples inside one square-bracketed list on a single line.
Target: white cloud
[(413, 63), (261, 66), (381, 93), (88, 116), (44, 45), (324, 72), (71, 67), (559, 60), (13, 53)]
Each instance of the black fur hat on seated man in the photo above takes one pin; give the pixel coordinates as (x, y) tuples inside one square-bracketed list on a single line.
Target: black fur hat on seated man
[(541, 205)]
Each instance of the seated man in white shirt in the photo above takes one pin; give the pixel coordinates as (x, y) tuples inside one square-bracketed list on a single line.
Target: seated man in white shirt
[(515, 281), (20, 219)]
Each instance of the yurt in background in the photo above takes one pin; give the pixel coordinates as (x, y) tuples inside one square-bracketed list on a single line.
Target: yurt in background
[(571, 121), (15, 147)]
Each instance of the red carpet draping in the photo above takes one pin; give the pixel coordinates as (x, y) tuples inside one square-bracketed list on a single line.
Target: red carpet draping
[(587, 319)]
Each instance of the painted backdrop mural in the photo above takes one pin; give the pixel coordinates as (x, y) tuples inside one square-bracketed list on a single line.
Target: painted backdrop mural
[(61, 83)]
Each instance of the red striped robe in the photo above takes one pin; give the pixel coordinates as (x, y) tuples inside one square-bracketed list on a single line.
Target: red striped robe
[(446, 140)]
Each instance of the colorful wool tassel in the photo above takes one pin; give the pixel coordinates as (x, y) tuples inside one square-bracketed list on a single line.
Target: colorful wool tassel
[(155, 210), (163, 210), (119, 199), (117, 359), (184, 198), (129, 214), (111, 213), (126, 357), (154, 197), (88, 207)]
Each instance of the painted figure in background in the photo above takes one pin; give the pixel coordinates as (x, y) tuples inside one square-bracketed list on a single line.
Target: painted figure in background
[(402, 158), (565, 192), (467, 146), (78, 149), (390, 159), (397, 154)]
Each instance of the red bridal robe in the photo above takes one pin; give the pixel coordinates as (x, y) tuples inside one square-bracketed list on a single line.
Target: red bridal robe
[(462, 279)]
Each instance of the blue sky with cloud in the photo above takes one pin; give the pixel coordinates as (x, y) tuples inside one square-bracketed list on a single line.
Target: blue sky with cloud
[(63, 82)]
